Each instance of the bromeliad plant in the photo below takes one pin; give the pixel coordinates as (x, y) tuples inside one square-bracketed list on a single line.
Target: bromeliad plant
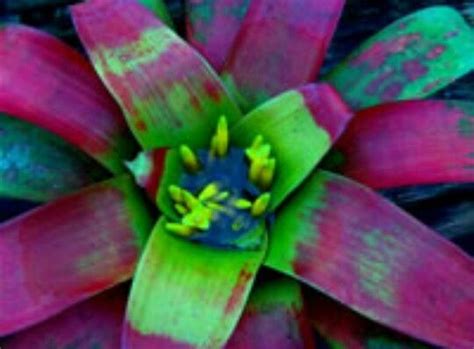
[(236, 193)]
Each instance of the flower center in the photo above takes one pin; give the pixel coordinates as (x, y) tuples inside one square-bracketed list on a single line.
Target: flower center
[(223, 194)]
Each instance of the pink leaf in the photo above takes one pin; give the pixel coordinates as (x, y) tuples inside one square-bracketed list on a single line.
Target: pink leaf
[(407, 143), (346, 241), (69, 250), (95, 323), (280, 46), (47, 83)]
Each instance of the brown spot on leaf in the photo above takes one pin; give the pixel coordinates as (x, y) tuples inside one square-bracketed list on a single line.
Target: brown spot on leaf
[(239, 289), (196, 104), (212, 90), (140, 125)]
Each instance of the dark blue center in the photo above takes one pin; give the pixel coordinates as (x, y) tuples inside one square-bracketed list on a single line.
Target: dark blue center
[(234, 228)]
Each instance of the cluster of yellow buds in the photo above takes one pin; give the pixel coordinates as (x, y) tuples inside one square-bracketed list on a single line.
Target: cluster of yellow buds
[(219, 147), (262, 165), (197, 212)]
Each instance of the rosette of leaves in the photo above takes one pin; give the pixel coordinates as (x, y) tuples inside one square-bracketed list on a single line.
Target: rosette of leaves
[(231, 132)]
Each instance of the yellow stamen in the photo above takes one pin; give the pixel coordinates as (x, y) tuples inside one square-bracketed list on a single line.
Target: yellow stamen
[(190, 200), (213, 146), (196, 222), (175, 193), (216, 207), (256, 167), (258, 149), (179, 229), (260, 205), (181, 209), (221, 196), (267, 174), (199, 218), (209, 192), (190, 159), (257, 141), (222, 137), (258, 154), (262, 152), (242, 204)]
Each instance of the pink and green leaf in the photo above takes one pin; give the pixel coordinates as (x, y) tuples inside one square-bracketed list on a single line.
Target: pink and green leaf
[(168, 93), (301, 125), (95, 323), (411, 58), (281, 45), (47, 83), (343, 239), (186, 295), (274, 318), (69, 250), (36, 165), (158, 7), (212, 26), (408, 143)]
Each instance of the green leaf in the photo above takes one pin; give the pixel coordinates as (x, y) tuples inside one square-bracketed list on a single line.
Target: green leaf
[(36, 165), (411, 58), (187, 295), (301, 125)]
